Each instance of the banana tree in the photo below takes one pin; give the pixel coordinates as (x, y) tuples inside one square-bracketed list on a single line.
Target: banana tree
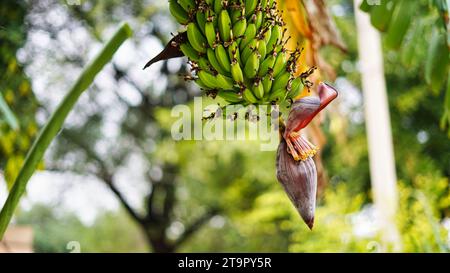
[(410, 37)]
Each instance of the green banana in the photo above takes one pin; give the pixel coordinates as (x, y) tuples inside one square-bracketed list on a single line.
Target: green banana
[(196, 38), (278, 95), (267, 82), (233, 51), (211, 16), (217, 6), (258, 17), (266, 3), (249, 49), (237, 49), (178, 12), (258, 90), (214, 62), (266, 65), (204, 64), (224, 25), (262, 49), (222, 57), (296, 88), (229, 96), (275, 37), (201, 20), (281, 81), (252, 65), (236, 72), (263, 3), (239, 27), (201, 84), (249, 35), (249, 97), (250, 6), (208, 79), (237, 13), (280, 64), (189, 52), (267, 35), (210, 33), (225, 82), (187, 4)]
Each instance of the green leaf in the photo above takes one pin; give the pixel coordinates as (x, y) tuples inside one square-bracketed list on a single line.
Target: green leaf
[(441, 5), (413, 52), (380, 15), (399, 24), (365, 6), (445, 120), (56, 121), (436, 68), (446, 11), (9, 115)]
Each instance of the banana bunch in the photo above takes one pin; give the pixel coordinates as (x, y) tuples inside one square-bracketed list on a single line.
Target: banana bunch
[(236, 49)]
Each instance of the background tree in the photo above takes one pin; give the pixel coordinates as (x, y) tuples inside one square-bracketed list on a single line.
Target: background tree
[(223, 196), (431, 23), (54, 229)]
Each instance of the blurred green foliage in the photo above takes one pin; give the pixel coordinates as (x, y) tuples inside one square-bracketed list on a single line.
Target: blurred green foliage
[(15, 87), (54, 229)]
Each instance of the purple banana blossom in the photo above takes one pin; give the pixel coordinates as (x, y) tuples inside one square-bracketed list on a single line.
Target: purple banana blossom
[(299, 180), (296, 170)]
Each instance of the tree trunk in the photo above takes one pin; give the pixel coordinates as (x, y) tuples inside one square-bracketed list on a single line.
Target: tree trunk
[(160, 246), (381, 154)]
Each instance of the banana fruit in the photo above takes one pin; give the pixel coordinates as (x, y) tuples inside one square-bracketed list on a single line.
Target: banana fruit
[(237, 51)]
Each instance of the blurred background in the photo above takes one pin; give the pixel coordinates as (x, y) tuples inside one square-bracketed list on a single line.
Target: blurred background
[(115, 181)]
